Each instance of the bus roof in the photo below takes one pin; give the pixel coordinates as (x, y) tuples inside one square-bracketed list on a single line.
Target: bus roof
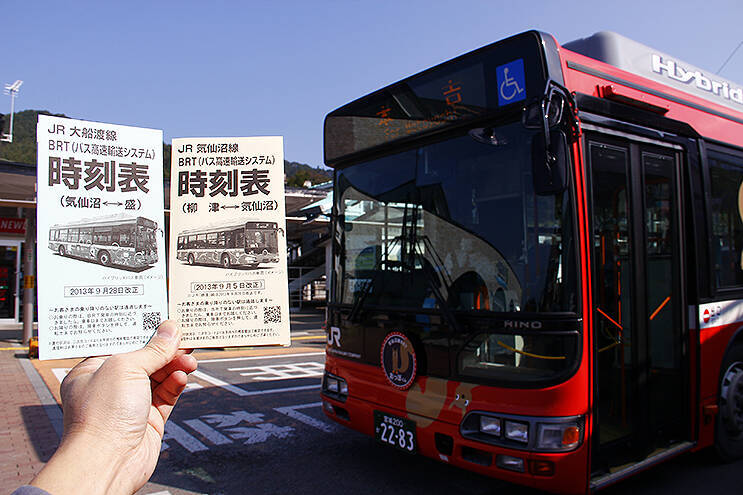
[(219, 227), (642, 60), (105, 221)]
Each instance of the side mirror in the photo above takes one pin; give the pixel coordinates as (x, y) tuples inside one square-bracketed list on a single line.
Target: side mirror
[(549, 165)]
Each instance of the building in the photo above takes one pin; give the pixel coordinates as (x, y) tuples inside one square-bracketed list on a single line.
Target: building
[(304, 231)]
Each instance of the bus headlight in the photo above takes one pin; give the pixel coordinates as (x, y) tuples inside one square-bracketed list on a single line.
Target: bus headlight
[(531, 433), (335, 387), (517, 431), (490, 425)]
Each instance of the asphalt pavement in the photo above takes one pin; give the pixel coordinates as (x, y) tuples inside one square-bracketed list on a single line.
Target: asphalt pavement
[(251, 422)]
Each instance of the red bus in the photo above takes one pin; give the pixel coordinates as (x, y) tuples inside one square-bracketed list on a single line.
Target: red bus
[(537, 268)]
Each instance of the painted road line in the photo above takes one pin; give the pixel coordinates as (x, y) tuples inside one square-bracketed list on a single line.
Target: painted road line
[(245, 393), (311, 337), (219, 383), (188, 442), (208, 432), (13, 348), (191, 386), (292, 412), (255, 358), (283, 371), (60, 373)]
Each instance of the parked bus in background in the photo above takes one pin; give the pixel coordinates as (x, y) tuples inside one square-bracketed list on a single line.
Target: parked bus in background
[(115, 240), (236, 244), (538, 262)]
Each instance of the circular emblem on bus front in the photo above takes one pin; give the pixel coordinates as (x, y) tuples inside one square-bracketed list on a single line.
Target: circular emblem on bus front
[(398, 360)]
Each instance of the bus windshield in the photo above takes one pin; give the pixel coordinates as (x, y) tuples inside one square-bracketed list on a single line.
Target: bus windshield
[(455, 225)]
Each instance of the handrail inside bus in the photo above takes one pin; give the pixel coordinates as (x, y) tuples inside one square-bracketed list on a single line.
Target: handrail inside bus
[(617, 339), (655, 313), (530, 354)]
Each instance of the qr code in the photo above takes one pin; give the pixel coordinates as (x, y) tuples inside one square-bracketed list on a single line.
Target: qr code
[(271, 314), (150, 321)]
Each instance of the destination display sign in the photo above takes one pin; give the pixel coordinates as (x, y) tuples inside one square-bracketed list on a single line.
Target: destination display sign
[(499, 76)]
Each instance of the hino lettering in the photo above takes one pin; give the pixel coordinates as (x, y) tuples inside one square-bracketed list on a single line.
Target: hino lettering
[(678, 73), (534, 325)]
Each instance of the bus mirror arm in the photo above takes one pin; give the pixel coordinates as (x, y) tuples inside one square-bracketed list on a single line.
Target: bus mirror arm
[(550, 147)]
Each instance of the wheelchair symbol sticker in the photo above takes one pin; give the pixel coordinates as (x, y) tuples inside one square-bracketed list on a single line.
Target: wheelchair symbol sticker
[(511, 82)]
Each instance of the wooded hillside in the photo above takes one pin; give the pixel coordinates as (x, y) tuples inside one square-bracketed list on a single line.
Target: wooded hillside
[(23, 150)]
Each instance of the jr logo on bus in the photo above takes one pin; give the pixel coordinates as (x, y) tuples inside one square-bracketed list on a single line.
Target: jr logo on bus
[(398, 360)]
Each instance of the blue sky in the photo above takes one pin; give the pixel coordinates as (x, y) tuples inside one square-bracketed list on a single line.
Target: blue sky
[(277, 68)]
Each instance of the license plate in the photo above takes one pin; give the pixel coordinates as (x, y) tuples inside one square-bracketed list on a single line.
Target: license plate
[(395, 431)]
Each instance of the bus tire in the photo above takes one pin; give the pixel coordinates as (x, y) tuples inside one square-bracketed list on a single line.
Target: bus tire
[(61, 250), (729, 424), (226, 262), (104, 258), (191, 259)]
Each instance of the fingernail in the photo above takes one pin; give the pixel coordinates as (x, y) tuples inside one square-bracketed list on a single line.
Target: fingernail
[(166, 330)]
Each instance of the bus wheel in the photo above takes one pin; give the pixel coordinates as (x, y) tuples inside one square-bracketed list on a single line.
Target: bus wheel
[(729, 424), (191, 260), (226, 263), (61, 250), (104, 258)]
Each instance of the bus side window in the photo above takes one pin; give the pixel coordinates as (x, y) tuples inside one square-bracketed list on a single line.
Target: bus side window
[(74, 235), (86, 235), (240, 239), (726, 181)]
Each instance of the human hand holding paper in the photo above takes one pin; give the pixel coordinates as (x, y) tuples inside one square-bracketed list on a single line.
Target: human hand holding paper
[(115, 409)]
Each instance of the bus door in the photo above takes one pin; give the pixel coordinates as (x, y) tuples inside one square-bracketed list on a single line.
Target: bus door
[(640, 404)]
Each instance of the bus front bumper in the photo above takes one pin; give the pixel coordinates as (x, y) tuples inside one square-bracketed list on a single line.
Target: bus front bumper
[(550, 472)]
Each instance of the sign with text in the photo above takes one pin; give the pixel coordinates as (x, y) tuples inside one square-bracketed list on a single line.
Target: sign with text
[(228, 274), (100, 237)]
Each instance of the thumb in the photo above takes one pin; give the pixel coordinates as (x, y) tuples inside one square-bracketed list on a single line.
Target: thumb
[(160, 350)]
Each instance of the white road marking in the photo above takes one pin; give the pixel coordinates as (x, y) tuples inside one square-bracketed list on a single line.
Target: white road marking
[(60, 373), (254, 358), (209, 433), (191, 386), (260, 433), (219, 383), (175, 432), (292, 412), (283, 371), (244, 393)]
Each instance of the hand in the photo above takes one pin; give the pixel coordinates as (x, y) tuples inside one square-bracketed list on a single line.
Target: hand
[(115, 409)]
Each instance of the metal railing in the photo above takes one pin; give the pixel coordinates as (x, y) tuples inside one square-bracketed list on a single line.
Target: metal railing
[(306, 285)]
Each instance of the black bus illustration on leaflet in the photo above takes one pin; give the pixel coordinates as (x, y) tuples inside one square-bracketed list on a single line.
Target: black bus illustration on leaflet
[(118, 240), (230, 245)]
